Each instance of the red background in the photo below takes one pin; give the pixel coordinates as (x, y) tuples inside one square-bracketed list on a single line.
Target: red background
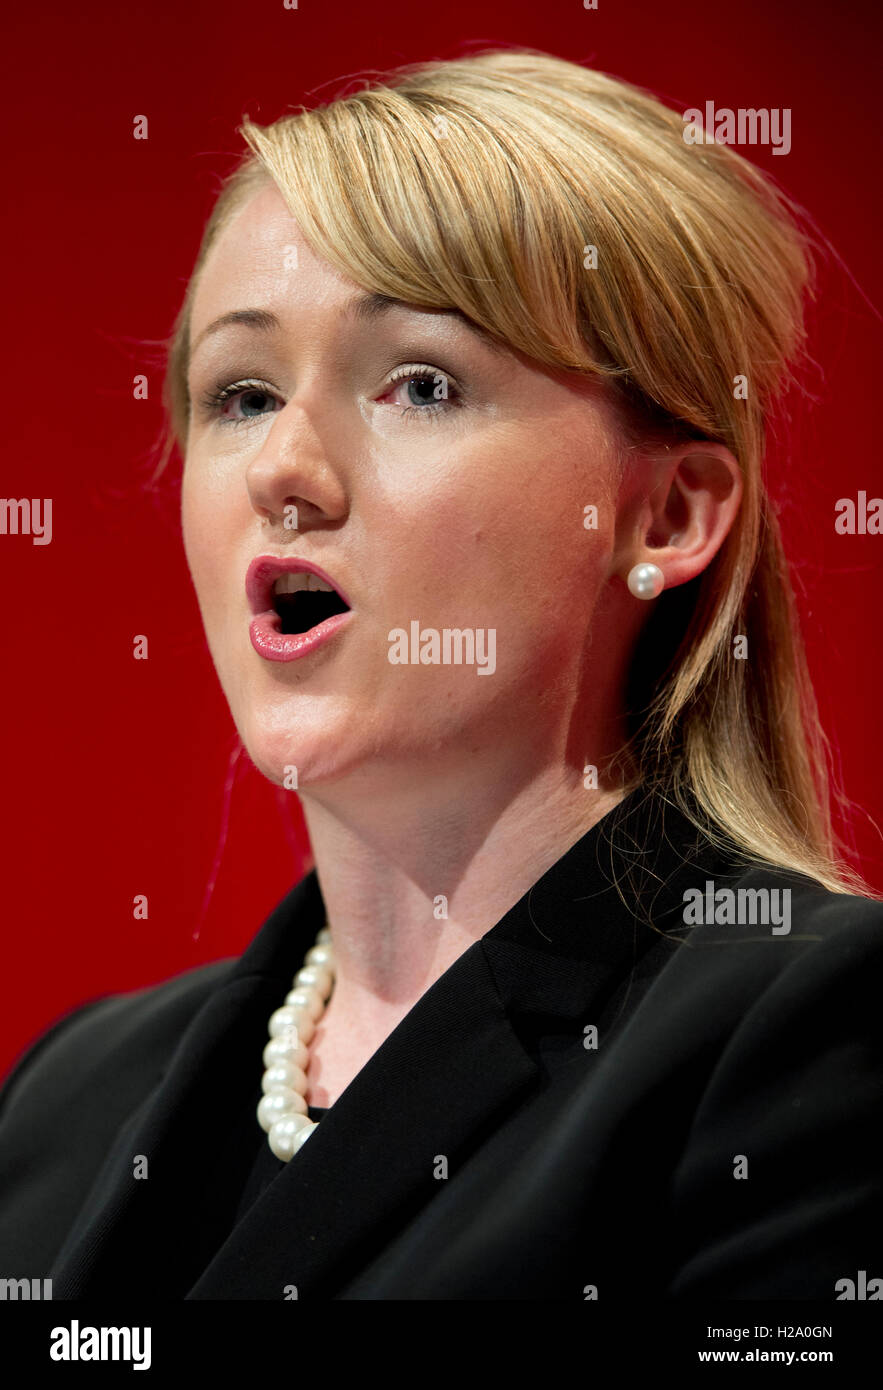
[(115, 769)]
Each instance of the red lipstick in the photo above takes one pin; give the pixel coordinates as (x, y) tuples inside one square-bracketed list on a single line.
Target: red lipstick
[(266, 627)]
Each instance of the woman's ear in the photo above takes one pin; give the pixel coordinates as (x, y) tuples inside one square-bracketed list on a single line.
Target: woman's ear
[(684, 520)]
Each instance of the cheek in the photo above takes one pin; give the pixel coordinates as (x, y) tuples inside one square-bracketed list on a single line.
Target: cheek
[(189, 517), (515, 535), (210, 490), (193, 529), (204, 525)]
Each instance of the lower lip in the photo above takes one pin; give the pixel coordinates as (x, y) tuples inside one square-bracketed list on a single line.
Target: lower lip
[(274, 645)]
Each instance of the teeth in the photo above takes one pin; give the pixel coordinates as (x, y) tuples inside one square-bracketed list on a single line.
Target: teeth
[(301, 582)]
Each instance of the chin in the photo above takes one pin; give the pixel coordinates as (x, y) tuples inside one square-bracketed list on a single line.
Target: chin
[(295, 757)]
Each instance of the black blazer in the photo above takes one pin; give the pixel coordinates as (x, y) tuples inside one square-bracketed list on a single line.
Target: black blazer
[(723, 1139)]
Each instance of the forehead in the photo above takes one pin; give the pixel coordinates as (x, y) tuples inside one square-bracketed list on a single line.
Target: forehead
[(261, 257)]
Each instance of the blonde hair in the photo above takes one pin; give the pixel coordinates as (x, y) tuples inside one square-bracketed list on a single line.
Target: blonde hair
[(480, 184)]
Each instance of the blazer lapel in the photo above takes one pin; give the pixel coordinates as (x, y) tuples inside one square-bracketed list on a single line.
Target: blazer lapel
[(149, 1231), (450, 1067)]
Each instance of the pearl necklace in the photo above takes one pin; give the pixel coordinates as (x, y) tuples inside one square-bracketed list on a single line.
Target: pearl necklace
[(282, 1112)]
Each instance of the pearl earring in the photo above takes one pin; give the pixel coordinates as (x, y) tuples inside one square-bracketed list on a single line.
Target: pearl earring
[(646, 581)]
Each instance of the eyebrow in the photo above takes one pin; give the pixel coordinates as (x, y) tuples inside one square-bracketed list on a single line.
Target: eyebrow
[(362, 307)]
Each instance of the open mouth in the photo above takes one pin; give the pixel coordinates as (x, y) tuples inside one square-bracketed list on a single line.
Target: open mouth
[(302, 601)]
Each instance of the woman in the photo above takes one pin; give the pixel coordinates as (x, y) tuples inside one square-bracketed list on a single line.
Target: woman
[(473, 379)]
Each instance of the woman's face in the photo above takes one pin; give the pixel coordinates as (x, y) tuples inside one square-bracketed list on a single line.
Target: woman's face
[(439, 482)]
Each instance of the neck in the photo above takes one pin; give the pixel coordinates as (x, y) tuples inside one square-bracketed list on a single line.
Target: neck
[(411, 878)]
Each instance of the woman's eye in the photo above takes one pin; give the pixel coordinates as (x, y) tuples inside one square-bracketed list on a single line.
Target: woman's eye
[(241, 402), (254, 402), (416, 389), (421, 390)]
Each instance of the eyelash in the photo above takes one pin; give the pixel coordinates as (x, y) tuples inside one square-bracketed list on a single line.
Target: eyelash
[(214, 401)]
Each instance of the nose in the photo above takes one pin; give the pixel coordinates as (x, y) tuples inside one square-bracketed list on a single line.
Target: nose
[(291, 482)]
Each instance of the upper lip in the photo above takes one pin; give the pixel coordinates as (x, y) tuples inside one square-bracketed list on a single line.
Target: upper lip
[(264, 570)]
